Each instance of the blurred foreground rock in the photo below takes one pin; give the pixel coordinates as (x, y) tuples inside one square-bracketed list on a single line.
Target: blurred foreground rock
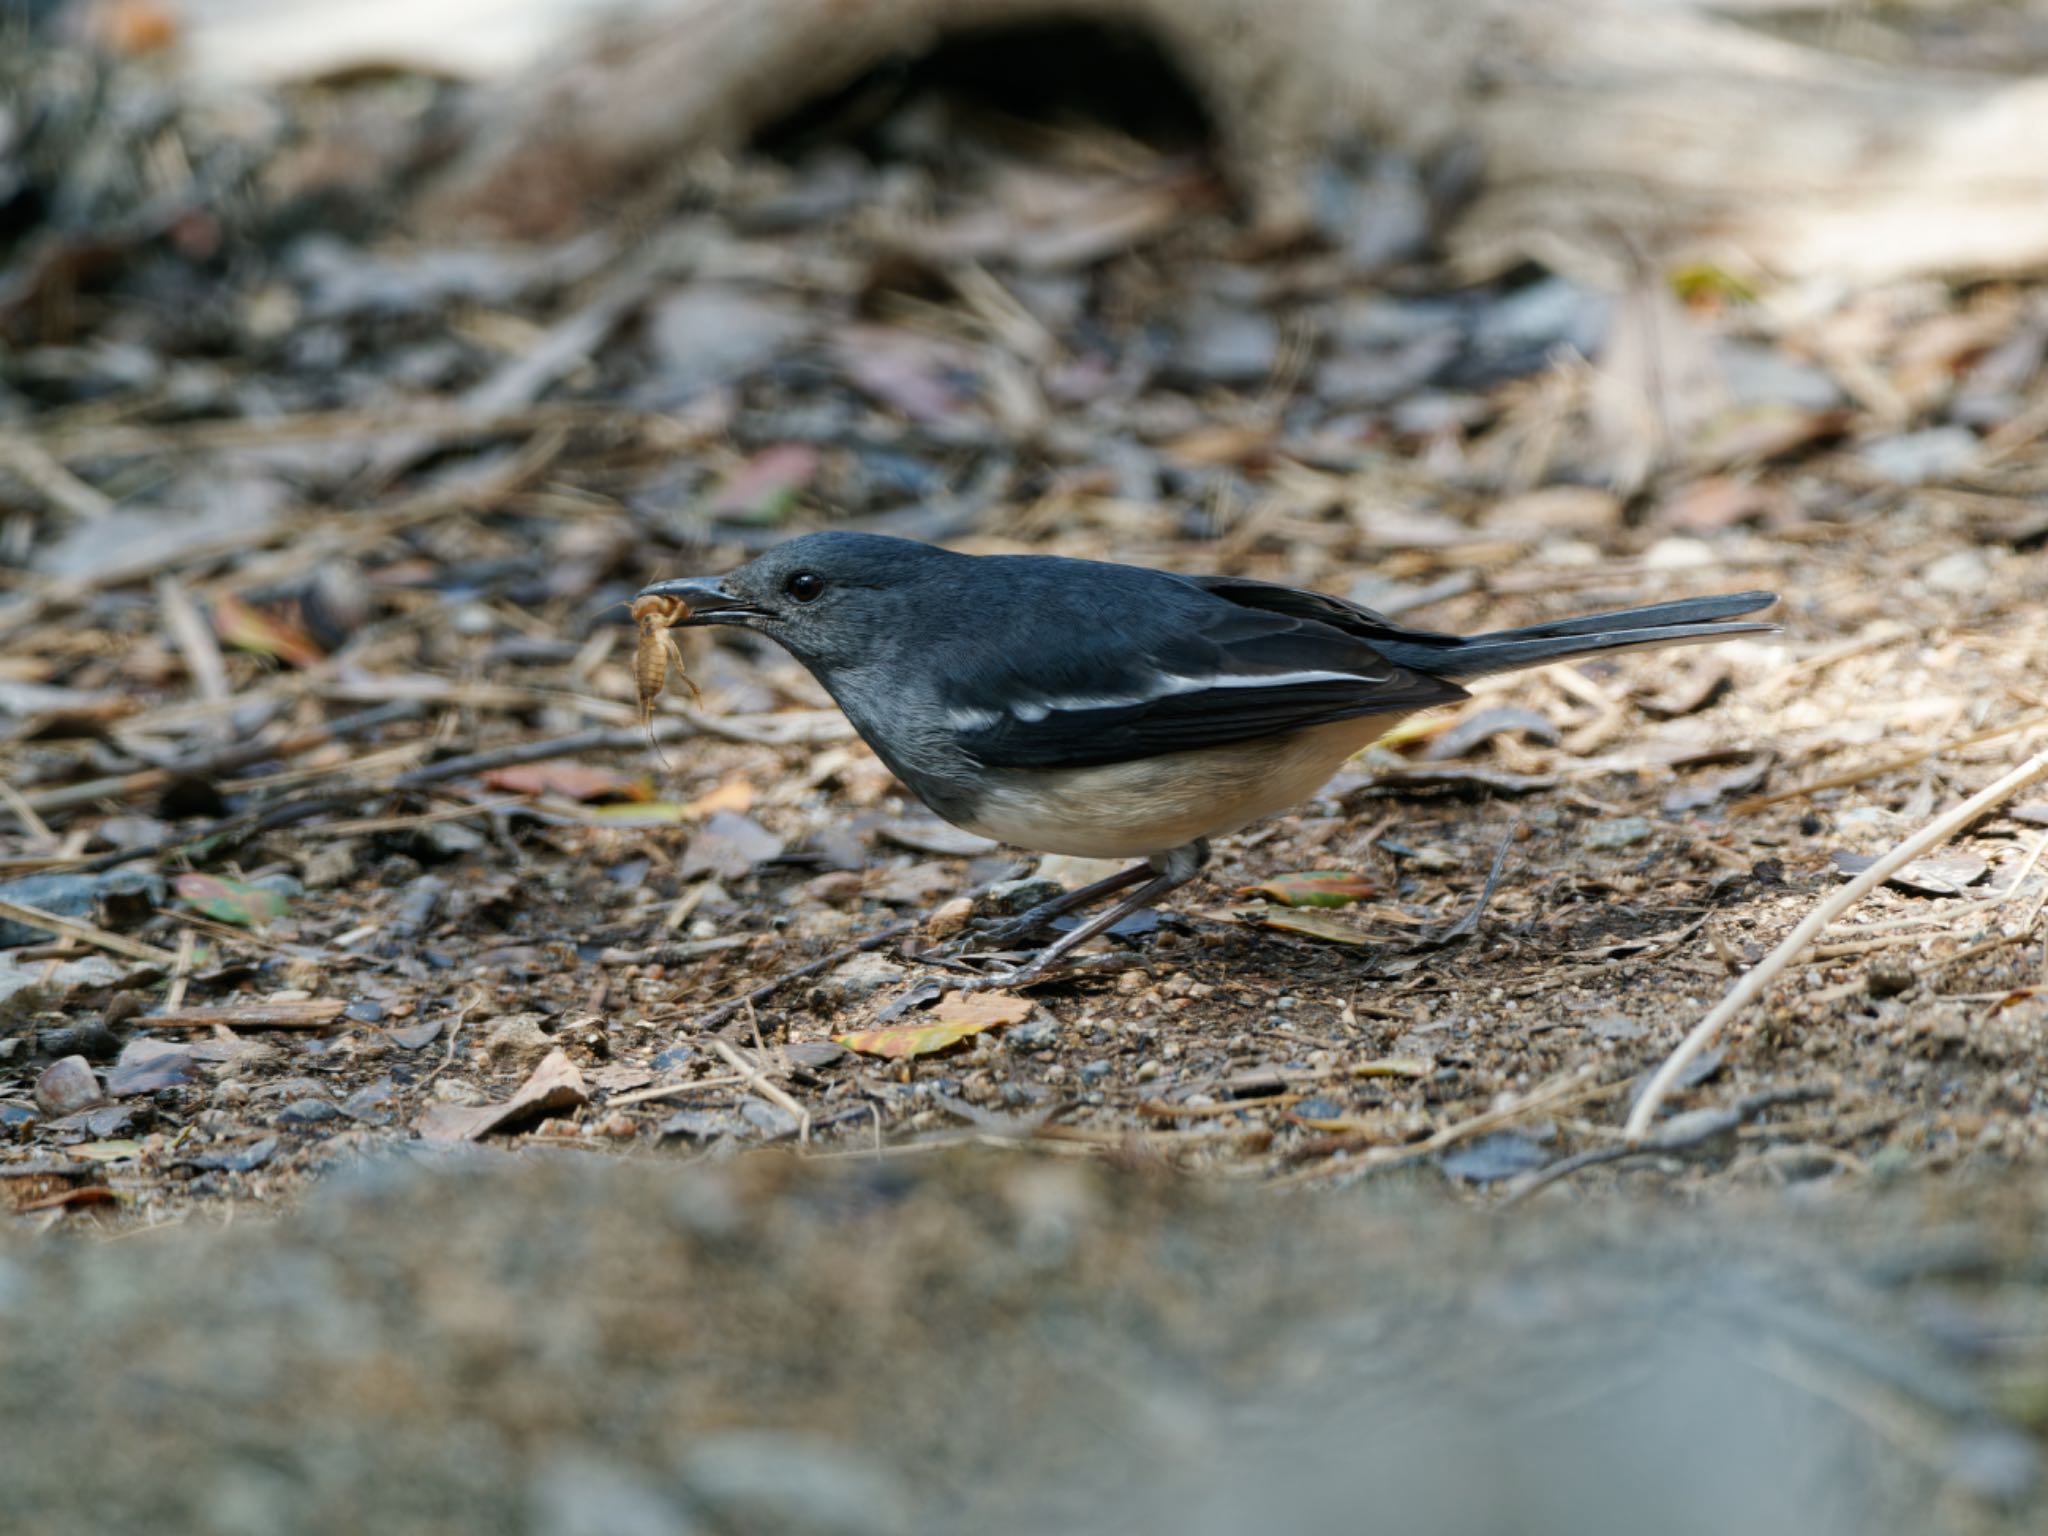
[(562, 1344)]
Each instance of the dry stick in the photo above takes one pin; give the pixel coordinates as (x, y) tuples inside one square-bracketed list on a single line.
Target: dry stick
[(671, 1090), (1752, 986), (36, 827), (51, 480), (194, 639), (768, 989), (85, 933), (303, 1013), (757, 1081), (181, 969), (1686, 1133), (1862, 775), (1568, 1087), (219, 762)]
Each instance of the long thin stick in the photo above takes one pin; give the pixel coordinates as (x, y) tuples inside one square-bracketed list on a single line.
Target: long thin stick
[(85, 933), (1752, 985)]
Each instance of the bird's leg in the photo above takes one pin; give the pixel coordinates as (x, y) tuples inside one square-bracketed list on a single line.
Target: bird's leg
[(1025, 924), (1173, 870)]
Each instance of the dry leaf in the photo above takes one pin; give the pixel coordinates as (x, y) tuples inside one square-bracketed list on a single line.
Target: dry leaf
[(555, 1085), (1314, 888), (957, 1016), (572, 781), (249, 628)]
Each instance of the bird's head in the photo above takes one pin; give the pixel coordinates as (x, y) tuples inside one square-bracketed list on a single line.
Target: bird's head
[(835, 601)]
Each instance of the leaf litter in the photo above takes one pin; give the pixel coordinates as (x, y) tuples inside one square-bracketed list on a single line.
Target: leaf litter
[(432, 727)]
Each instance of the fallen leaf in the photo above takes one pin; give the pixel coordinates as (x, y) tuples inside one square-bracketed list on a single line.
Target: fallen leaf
[(956, 1016), (1314, 888), (1222, 443), (249, 628), (574, 781), (230, 901), (1475, 730), (1942, 875), (735, 795), (1313, 925), (555, 1085), (729, 846), (108, 1151), (762, 490)]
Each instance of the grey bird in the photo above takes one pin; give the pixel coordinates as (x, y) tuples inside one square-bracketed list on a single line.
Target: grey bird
[(1111, 711)]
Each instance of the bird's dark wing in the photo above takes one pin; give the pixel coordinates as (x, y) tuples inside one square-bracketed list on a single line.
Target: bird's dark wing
[(1191, 671), (1353, 619)]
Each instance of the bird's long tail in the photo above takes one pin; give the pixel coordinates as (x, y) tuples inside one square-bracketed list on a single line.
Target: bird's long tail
[(1691, 621)]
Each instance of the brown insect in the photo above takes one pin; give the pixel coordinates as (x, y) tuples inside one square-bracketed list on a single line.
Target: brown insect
[(656, 617)]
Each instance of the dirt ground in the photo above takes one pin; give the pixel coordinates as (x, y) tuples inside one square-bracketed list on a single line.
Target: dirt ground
[(316, 705)]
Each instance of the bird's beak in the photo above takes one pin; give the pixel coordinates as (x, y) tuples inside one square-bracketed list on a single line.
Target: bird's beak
[(707, 598)]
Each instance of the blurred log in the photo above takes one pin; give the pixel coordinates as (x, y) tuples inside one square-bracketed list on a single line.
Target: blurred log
[(1610, 132)]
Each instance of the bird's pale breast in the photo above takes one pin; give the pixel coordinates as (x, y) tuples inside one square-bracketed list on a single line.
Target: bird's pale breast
[(1139, 808)]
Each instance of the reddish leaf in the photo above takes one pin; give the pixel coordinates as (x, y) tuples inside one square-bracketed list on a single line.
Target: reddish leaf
[(249, 628), (1314, 888), (572, 781), (763, 489)]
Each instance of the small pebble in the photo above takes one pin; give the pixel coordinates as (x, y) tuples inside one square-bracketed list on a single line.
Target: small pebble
[(67, 1086), (307, 1112), (1618, 833), (1032, 1035), (950, 918)]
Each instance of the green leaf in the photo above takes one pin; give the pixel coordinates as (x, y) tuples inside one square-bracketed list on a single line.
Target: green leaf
[(1314, 888), (230, 901)]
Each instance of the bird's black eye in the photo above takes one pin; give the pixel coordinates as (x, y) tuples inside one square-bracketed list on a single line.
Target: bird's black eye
[(804, 586)]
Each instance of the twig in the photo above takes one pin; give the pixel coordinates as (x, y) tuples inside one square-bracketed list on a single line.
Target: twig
[(181, 969), (1464, 927), (600, 739), (1566, 1088), (768, 989), (51, 480), (760, 1084), (366, 825), (193, 638), (1687, 1133), (34, 825), (670, 1090), (218, 762), (85, 933), (1752, 986), (1878, 770), (304, 1013)]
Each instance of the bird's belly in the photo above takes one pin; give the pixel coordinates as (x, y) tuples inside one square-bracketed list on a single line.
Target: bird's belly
[(1135, 809)]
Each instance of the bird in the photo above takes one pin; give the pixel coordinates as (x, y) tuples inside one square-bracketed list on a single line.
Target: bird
[(1116, 711)]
